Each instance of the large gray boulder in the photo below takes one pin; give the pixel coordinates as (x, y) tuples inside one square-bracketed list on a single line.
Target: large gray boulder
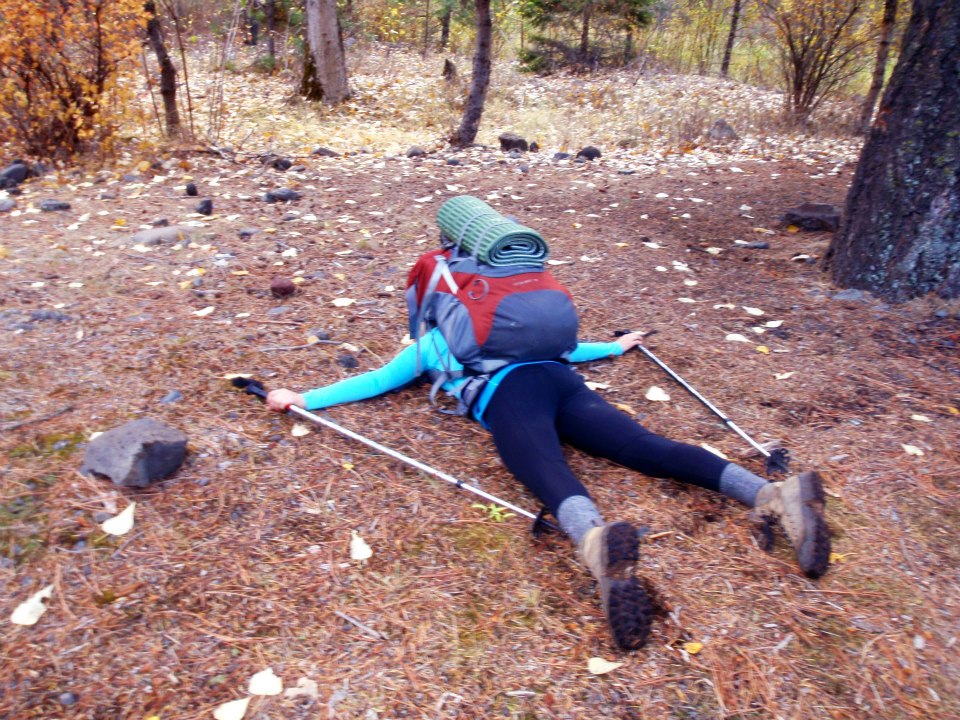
[(135, 454)]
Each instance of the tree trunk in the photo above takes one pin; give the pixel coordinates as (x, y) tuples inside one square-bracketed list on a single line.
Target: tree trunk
[(271, 10), (168, 72), (900, 236), (426, 30), (480, 81), (445, 26), (585, 34), (880, 69), (731, 38), (324, 67)]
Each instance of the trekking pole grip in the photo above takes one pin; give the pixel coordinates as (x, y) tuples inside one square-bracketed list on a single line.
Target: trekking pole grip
[(250, 386)]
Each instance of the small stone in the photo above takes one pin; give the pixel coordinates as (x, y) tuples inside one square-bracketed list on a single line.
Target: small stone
[(247, 233), (171, 397), (191, 190), (6, 204), (589, 153), (108, 195), (281, 195), (320, 334), (453, 161), (54, 205), (849, 294), (513, 142), (534, 147), (416, 151), (561, 156), (162, 235), (325, 152), (67, 698), (161, 222), (14, 174), (205, 207), (813, 217), (347, 360), (282, 287), (721, 131)]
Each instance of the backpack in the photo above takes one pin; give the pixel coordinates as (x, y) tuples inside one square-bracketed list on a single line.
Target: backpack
[(489, 316)]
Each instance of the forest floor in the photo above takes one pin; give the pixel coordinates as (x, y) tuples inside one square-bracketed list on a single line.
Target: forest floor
[(240, 561)]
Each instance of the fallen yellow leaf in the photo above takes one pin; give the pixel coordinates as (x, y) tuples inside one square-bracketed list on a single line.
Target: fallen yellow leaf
[(626, 408), (792, 228), (836, 557), (599, 666), (763, 349), (693, 647), (239, 272)]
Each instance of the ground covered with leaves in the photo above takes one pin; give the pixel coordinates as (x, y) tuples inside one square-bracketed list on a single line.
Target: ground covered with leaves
[(241, 560)]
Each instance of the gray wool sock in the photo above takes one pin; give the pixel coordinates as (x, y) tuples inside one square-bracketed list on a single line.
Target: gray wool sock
[(576, 515), (740, 484)]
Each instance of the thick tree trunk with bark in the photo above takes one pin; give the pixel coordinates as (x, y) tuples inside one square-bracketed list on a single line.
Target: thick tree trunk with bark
[(168, 71), (731, 38), (900, 236), (324, 68), (880, 68), (480, 81)]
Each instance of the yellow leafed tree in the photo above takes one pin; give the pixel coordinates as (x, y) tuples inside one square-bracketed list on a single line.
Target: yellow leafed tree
[(61, 63)]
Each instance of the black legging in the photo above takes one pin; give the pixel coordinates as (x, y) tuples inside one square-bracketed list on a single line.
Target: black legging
[(538, 407)]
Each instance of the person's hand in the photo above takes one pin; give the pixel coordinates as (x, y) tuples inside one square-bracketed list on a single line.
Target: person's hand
[(281, 399), (631, 340)]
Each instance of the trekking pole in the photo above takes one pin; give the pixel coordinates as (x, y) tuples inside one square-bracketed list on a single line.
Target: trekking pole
[(777, 460), (255, 387)]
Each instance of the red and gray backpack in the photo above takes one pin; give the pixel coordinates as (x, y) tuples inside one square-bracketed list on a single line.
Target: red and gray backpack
[(489, 316)]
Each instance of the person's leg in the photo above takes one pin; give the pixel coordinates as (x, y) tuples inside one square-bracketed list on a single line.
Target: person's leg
[(522, 419), (590, 423)]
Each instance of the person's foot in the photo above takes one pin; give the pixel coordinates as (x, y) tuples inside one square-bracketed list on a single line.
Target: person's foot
[(797, 504), (611, 553)]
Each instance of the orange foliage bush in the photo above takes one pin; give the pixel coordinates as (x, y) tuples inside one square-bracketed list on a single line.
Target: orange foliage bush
[(60, 65)]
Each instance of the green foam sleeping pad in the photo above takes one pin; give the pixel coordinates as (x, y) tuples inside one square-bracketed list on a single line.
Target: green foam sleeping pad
[(481, 231)]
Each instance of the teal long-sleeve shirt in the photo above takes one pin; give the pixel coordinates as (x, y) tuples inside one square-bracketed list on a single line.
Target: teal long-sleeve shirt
[(433, 355)]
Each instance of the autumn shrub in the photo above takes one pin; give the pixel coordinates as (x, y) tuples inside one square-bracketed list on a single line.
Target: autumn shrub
[(61, 66)]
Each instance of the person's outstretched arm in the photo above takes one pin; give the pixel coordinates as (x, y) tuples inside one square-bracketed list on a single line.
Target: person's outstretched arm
[(396, 373), (585, 352)]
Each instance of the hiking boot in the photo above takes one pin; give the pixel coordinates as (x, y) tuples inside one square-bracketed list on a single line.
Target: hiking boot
[(797, 504), (611, 553)]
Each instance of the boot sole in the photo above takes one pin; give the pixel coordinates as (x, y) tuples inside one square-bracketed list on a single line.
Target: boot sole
[(813, 555), (626, 604)]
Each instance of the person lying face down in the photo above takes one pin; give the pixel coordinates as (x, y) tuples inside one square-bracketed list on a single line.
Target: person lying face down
[(531, 409)]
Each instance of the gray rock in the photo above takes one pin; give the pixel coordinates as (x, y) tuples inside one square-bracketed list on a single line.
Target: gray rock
[(135, 454), (191, 190), (511, 141), (325, 152), (850, 294), (281, 195), (171, 397), (589, 153), (453, 161), (37, 315), (813, 217), (247, 232), (14, 174), (162, 235), (416, 151), (205, 207), (54, 205), (561, 156), (347, 360), (721, 131), (6, 205)]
